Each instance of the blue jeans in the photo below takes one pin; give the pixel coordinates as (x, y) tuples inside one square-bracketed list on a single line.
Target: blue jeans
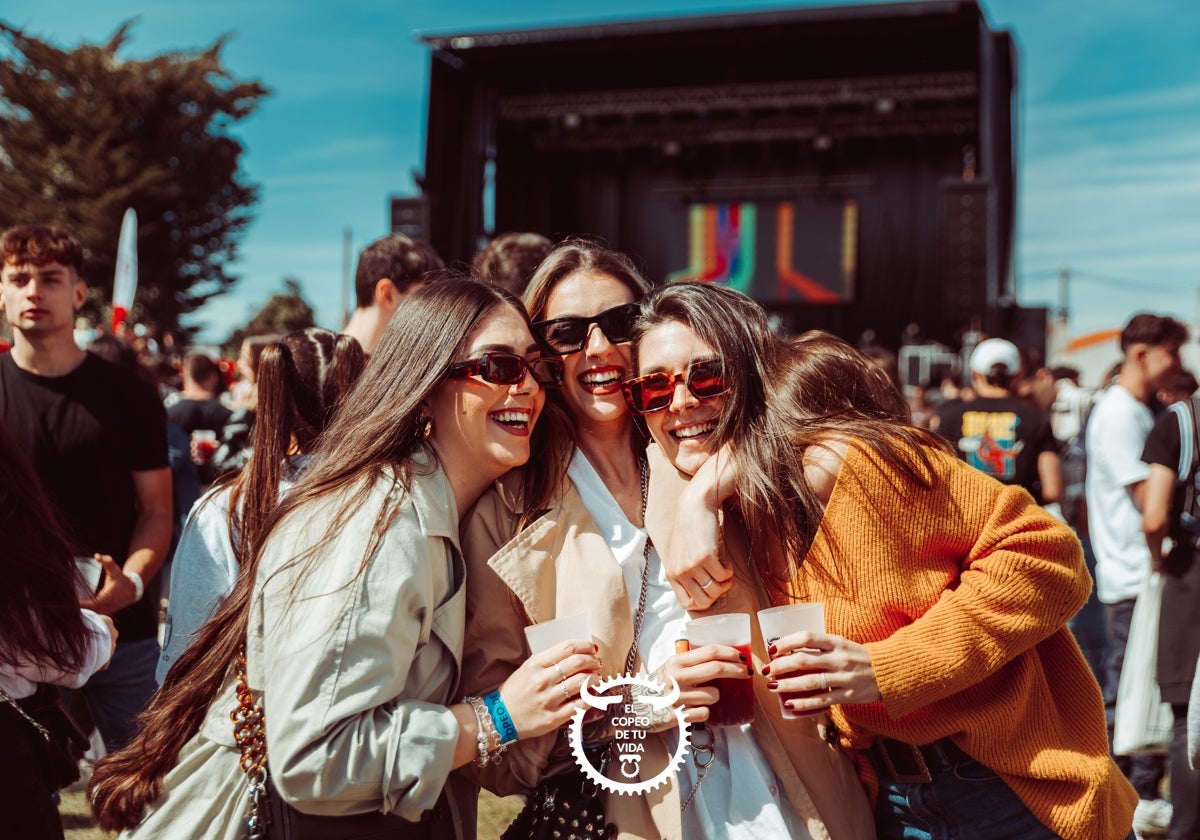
[(117, 694), (965, 802)]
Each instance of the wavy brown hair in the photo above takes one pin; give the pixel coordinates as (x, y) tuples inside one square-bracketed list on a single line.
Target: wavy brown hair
[(573, 255), (375, 430), (784, 398)]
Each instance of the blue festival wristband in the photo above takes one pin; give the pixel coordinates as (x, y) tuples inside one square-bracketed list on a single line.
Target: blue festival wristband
[(501, 718)]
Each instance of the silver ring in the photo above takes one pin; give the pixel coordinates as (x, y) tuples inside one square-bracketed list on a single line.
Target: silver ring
[(824, 682), (706, 585), (561, 676), (566, 694)]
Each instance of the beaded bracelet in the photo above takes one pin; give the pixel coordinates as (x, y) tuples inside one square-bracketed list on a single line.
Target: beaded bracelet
[(490, 747), (501, 718)]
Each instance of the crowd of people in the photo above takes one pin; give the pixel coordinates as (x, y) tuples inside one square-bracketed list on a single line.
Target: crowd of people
[(362, 529)]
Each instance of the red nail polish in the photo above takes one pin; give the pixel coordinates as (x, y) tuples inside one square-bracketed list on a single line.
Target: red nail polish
[(766, 670), (772, 650), (772, 685)]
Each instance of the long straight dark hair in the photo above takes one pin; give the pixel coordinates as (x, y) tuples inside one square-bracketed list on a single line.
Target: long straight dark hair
[(302, 379), (40, 622), (376, 428)]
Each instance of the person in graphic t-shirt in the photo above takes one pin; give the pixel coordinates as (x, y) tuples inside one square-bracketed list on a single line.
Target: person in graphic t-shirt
[(97, 436), (999, 433)]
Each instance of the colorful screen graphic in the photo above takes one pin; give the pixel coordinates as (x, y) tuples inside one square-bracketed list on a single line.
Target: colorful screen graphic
[(801, 251)]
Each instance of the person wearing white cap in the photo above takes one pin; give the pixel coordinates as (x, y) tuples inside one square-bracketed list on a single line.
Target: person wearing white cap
[(999, 433)]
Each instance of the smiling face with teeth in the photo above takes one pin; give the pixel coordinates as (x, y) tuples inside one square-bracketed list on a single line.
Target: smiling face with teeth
[(482, 429), (593, 376), (684, 429)]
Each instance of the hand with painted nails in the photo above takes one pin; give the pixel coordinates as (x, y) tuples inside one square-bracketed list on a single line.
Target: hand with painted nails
[(816, 670), (696, 670)]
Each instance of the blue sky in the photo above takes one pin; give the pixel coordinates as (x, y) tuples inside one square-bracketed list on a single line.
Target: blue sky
[(1110, 131)]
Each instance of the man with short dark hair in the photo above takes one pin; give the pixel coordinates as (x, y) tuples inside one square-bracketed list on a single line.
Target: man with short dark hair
[(96, 434), (388, 269), (1116, 475)]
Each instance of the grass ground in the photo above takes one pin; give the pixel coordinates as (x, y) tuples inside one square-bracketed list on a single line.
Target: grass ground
[(494, 815)]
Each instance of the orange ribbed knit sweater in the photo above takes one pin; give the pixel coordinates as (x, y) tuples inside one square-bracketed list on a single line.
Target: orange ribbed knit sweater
[(961, 593)]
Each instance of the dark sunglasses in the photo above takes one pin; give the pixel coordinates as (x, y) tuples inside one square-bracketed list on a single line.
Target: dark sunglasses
[(509, 369), (654, 392), (569, 335)]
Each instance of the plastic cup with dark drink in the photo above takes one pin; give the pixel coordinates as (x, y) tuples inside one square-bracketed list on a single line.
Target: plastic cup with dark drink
[(735, 703), (778, 622)]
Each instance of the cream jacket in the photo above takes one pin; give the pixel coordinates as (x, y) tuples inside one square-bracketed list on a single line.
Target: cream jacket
[(354, 656), (561, 565)]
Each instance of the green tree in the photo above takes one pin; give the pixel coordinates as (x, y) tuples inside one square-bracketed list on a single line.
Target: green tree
[(283, 313), (85, 134)]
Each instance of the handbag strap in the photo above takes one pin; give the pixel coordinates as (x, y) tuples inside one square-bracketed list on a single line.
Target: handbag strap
[(250, 735), (45, 733)]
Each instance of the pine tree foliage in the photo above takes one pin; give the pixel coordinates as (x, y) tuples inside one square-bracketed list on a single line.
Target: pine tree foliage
[(283, 313), (84, 134)]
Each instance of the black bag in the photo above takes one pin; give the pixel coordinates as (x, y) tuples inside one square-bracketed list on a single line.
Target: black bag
[(283, 822), (64, 743), (567, 806)]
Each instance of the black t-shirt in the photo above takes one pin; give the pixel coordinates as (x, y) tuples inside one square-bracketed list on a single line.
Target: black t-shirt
[(1001, 436), (86, 433), (191, 415), (1164, 446)]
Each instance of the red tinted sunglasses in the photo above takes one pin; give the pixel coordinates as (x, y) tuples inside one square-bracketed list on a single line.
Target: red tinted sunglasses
[(654, 392), (509, 369)]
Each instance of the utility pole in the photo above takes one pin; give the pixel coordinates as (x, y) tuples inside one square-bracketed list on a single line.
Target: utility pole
[(345, 278), (1064, 278)]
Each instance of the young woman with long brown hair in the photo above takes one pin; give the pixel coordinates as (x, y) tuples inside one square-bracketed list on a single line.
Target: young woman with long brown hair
[(45, 640), (947, 669), (593, 550), (301, 380), (346, 624)]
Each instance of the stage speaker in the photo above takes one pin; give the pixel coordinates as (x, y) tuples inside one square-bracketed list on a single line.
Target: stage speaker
[(965, 212)]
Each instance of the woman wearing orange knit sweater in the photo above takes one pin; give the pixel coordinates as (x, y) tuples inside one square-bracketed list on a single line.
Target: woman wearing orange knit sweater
[(947, 668)]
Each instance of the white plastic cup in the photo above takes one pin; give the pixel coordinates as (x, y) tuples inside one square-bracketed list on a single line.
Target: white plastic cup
[(735, 705), (777, 622), (87, 584), (567, 628)]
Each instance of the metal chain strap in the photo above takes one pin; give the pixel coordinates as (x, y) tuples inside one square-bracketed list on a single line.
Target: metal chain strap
[(249, 733)]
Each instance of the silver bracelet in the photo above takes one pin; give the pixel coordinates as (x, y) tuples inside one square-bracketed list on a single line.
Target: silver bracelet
[(489, 743)]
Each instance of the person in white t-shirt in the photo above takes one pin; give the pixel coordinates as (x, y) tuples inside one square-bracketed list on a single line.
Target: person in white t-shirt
[(1116, 432)]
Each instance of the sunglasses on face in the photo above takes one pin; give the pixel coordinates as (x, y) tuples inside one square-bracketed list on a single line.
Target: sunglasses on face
[(654, 392), (569, 335), (509, 369)]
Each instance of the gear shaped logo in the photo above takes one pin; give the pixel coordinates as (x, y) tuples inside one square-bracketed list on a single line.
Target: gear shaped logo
[(630, 726)]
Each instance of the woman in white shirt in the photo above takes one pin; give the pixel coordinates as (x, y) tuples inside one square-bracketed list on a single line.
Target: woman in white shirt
[(588, 552), (46, 640)]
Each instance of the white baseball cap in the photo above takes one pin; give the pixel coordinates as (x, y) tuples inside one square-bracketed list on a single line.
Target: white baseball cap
[(996, 351)]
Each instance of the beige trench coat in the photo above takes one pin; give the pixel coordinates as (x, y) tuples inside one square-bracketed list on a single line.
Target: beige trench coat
[(561, 565), (354, 672)]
